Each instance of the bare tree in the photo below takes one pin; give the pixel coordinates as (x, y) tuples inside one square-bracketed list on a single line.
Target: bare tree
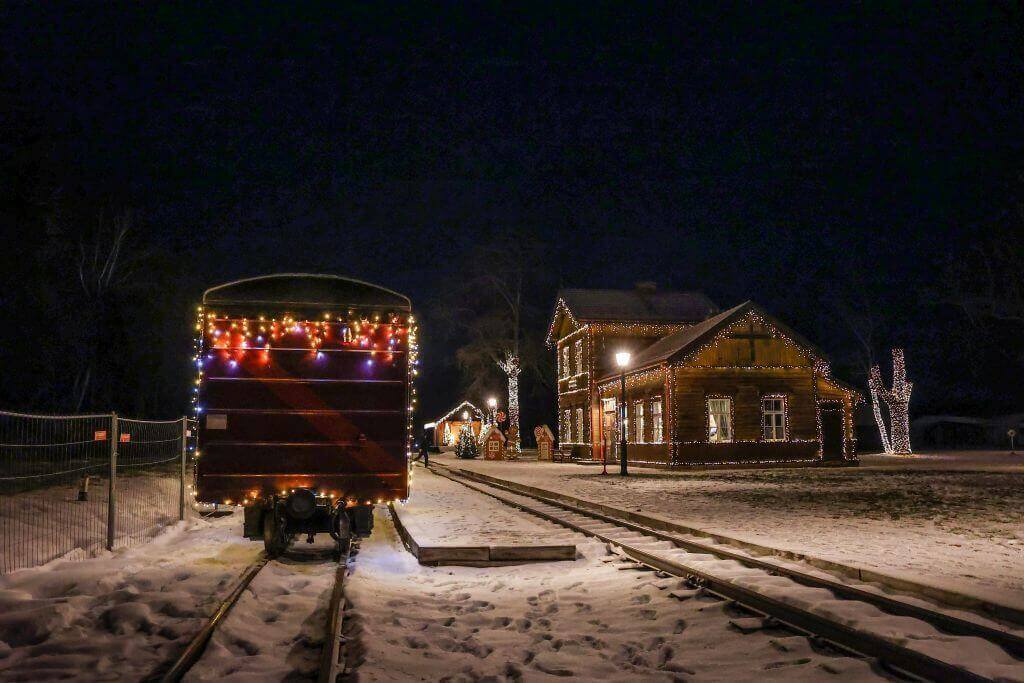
[(862, 320), (486, 308), (102, 271)]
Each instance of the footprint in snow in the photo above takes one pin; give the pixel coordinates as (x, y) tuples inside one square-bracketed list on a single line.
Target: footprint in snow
[(640, 599), (649, 614), (582, 608), (792, 662), (652, 643), (416, 643)]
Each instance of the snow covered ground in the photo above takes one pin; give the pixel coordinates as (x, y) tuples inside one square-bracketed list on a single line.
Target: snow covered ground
[(276, 630), (955, 520), (582, 619), (441, 512), (43, 524), (117, 616)]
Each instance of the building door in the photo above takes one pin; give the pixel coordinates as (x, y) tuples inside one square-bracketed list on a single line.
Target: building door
[(831, 431), (609, 435)]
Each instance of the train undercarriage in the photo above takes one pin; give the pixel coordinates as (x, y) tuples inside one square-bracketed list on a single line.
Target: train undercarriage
[(277, 520)]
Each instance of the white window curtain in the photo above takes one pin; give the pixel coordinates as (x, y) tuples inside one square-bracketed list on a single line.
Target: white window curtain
[(773, 418), (719, 420), (657, 426)]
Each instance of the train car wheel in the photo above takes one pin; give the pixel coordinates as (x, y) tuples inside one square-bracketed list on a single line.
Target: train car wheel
[(275, 537)]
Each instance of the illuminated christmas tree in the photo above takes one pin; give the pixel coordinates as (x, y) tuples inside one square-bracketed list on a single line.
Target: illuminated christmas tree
[(466, 447)]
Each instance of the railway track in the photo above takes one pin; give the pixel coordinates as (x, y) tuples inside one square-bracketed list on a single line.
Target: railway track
[(767, 590), (331, 661)]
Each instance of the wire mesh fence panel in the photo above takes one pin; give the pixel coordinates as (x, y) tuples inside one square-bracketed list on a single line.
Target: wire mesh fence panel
[(148, 483), (53, 487)]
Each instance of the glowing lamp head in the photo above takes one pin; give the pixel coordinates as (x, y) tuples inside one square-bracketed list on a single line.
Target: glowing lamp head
[(492, 402), (465, 415), (622, 358)]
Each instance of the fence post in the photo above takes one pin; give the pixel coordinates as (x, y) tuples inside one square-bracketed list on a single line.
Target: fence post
[(184, 458), (111, 487)]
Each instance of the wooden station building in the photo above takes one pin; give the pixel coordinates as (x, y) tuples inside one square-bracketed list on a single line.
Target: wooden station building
[(703, 387), (446, 428)]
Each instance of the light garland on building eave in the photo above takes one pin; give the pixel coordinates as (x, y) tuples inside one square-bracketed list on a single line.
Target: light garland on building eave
[(560, 307), (477, 413)]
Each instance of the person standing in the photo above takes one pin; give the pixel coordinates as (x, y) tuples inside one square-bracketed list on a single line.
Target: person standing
[(424, 450)]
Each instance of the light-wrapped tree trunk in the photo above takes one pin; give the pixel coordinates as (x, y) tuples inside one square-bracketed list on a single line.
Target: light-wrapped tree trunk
[(898, 401), (874, 386), (510, 365)]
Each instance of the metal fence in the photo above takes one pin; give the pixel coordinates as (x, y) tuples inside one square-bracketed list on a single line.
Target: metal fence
[(72, 485)]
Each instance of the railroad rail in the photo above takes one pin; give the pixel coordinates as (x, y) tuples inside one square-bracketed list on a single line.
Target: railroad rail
[(331, 661), (634, 541)]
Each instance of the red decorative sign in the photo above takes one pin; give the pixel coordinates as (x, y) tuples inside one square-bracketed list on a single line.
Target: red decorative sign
[(501, 416), (99, 435), (125, 438)]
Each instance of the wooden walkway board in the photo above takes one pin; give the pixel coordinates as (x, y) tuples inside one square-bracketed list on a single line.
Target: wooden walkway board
[(446, 523)]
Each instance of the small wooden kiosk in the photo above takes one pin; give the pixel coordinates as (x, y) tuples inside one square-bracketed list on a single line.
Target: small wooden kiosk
[(493, 442), (545, 442), (446, 428)]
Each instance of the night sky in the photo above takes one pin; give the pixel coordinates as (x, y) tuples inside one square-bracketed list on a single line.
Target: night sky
[(799, 156)]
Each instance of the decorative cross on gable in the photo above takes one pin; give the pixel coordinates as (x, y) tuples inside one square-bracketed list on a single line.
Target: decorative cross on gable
[(751, 336)]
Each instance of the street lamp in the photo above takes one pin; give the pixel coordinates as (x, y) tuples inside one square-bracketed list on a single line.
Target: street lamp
[(465, 415), (622, 360), (492, 403)]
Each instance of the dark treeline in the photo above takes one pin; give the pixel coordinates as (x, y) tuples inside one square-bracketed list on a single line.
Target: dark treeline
[(854, 170)]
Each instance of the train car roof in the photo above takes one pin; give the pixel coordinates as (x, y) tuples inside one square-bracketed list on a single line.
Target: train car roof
[(305, 289)]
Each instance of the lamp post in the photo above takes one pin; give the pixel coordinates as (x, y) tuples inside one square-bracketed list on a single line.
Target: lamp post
[(492, 403), (622, 360)]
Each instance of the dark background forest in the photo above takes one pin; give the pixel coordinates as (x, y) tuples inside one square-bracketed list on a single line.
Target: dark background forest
[(856, 169)]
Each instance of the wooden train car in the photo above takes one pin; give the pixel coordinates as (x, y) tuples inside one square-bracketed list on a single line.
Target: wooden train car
[(304, 397)]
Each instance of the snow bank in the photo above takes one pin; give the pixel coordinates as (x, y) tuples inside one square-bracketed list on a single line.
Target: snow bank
[(118, 616), (954, 520)]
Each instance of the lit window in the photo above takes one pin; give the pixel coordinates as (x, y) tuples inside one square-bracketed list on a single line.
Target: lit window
[(579, 425), (609, 416), (638, 422), (568, 425), (579, 356), (773, 418), (657, 426), (565, 361), (719, 420)]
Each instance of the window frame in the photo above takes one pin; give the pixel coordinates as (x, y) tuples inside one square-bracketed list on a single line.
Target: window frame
[(784, 413), (566, 417), (658, 420), (638, 421), (579, 356), (579, 425), (730, 417)]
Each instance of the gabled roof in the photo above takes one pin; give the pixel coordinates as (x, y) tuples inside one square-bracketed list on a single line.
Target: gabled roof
[(476, 412), (631, 305), (692, 337), (486, 433)]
